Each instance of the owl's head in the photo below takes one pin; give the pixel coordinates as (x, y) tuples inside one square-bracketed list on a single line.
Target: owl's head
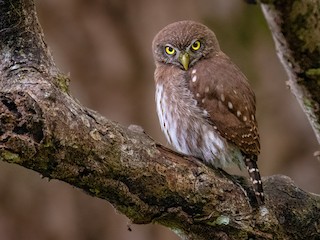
[(184, 43)]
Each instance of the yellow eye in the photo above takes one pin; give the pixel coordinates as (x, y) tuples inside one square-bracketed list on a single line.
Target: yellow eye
[(196, 45), (170, 50)]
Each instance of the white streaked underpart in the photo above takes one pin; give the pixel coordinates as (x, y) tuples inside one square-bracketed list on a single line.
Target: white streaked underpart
[(215, 150)]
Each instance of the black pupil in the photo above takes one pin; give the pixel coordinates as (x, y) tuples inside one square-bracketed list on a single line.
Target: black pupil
[(170, 49), (195, 45)]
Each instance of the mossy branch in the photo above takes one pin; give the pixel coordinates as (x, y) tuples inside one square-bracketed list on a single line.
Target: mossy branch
[(296, 32), (44, 129)]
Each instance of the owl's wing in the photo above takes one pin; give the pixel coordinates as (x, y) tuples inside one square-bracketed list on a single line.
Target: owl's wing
[(223, 92)]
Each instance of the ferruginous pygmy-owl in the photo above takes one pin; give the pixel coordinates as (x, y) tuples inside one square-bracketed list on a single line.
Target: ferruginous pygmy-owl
[(204, 103)]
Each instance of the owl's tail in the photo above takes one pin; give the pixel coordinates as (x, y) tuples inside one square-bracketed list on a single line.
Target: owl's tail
[(253, 170)]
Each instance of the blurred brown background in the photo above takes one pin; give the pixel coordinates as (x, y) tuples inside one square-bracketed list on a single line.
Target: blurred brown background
[(105, 46)]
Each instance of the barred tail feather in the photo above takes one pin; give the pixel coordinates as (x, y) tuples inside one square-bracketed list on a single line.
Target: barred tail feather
[(253, 170)]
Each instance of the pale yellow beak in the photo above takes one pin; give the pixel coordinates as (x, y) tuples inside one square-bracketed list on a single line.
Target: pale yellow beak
[(184, 60)]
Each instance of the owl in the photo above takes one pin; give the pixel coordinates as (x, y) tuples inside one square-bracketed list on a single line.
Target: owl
[(205, 104)]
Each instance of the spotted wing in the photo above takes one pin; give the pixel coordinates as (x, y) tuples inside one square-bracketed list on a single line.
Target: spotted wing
[(222, 90)]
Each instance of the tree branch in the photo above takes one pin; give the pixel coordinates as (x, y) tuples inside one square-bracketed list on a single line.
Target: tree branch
[(296, 32), (44, 129)]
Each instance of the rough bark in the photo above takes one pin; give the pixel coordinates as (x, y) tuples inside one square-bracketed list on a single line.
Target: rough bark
[(295, 26), (44, 129)]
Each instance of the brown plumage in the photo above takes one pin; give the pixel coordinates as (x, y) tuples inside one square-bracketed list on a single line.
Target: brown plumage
[(205, 105)]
